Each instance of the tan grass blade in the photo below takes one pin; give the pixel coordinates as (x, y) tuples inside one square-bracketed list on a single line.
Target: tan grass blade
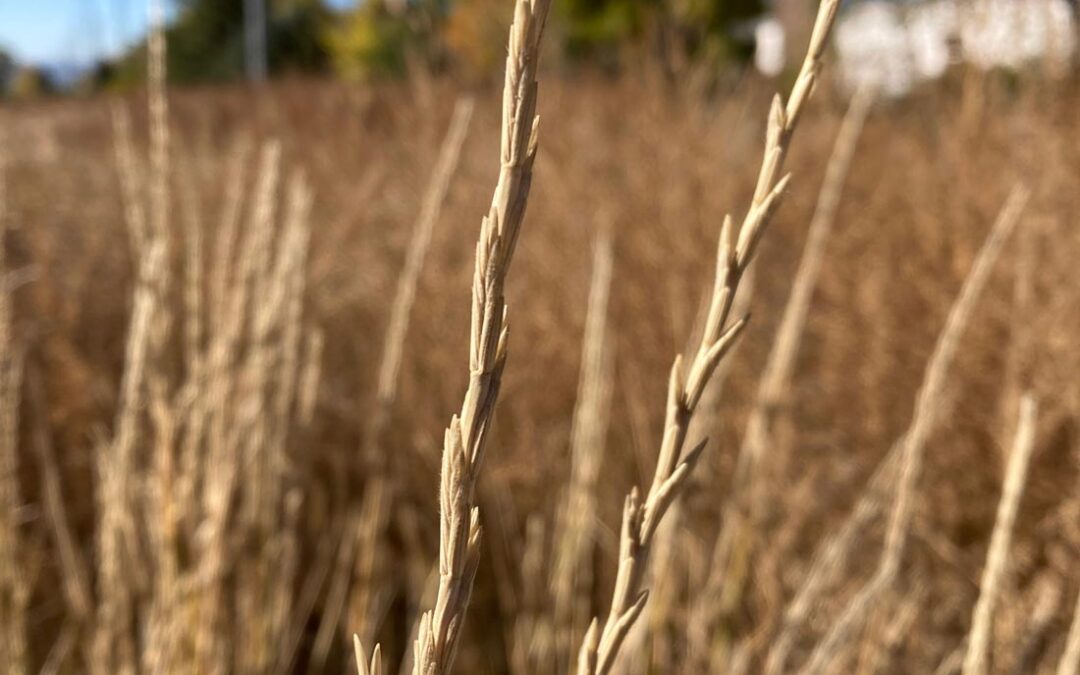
[(366, 593), (926, 416), (363, 666), (77, 589), (466, 439), (731, 559), (831, 558), (14, 587), (1070, 658), (687, 383), (571, 574), (975, 662), (114, 650)]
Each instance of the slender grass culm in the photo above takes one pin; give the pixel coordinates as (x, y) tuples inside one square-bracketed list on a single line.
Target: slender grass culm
[(1070, 660), (913, 445), (687, 384), (466, 438), (975, 662), (571, 575), (731, 558), (832, 556), (114, 649), (14, 592), (367, 521)]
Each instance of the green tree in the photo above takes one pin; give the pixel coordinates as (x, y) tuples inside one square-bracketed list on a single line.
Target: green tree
[(598, 28), (378, 37), (692, 28), (7, 71), (30, 82), (206, 42)]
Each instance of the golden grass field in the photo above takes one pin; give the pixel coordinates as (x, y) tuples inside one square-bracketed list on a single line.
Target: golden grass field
[(219, 516)]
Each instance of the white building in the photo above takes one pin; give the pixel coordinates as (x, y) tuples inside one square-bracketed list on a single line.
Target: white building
[(897, 45)]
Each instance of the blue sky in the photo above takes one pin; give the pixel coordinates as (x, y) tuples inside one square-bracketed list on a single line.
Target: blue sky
[(78, 31)]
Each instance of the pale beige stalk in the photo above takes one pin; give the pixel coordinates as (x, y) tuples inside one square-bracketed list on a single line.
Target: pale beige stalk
[(14, 588), (61, 650), (884, 635), (358, 523), (532, 638), (571, 575), (927, 414), (686, 384), (193, 274), (1070, 658), (363, 665), (77, 589), (269, 377), (366, 592), (114, 648), (700, 634), (831, 558), (466, 439), (228, 232), (1041, 620), (310, 375), (975, 662), (226, 403), (730, 570), (129, 174)]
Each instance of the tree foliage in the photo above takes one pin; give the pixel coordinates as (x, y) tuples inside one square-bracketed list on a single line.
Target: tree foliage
[(371, 41), (206, 42), (7, 71), (378, 37)]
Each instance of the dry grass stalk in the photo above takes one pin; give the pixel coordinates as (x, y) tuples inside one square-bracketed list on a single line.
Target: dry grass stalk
[(114, 648), (686, 386), (532, 639), (363, 666), (159, 119), (366, 591), (466, 439), (161, 624), (571, 574), (926, 416), (887, 632), (307, 599), (193, 277), (77, 588), (405, 295), (1070, 658), (732, 557), (1047, 604), (337, 594), (269, 513), (160, 174), (14, 587), (130, 176), (952, 663), (310, 374), (975, 662), (228, 232), (1018, 355), (699, 627), (831, 558), (61, 650), (217, 474), (225, 403), (206, 305)]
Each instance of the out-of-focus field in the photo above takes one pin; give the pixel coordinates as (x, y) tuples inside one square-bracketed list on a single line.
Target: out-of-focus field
[(659, 165)]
